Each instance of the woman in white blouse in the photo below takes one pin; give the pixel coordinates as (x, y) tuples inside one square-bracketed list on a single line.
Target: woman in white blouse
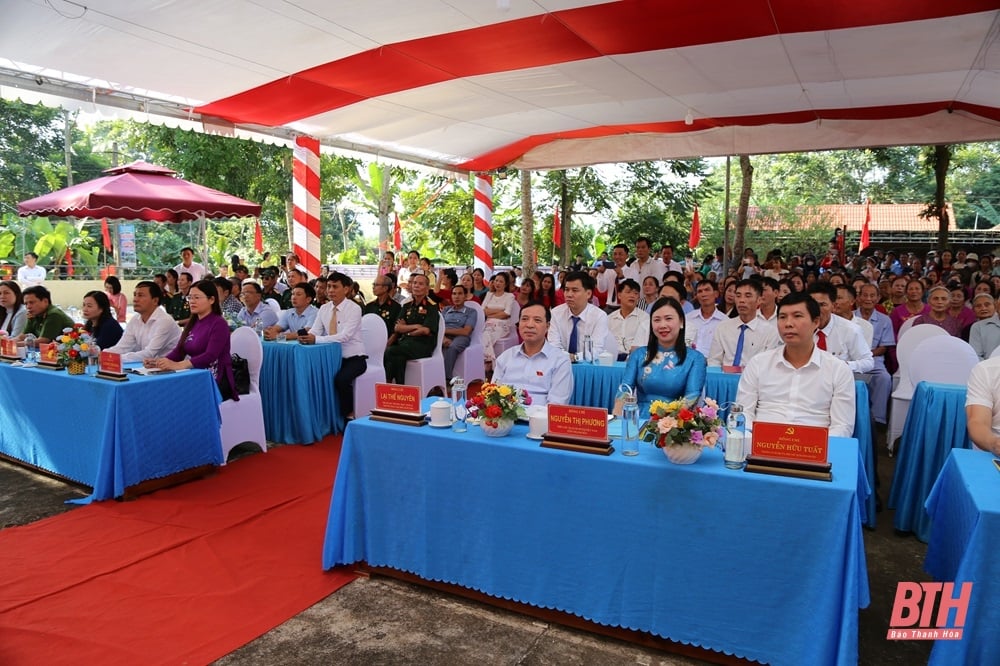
[(498, 307), (13, 315)]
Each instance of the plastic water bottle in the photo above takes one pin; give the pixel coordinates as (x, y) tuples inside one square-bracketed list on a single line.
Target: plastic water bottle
[(458, 423), (736, 453), (588, 349), (630, 420)]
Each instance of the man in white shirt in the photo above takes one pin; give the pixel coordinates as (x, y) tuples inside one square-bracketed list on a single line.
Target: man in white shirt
[(644, 265), (151, 332), (411, 268), (667, 260), (188, 265), (629, 325), (982, 405), (700, 324), (577, 318), (609, 278), (738, 340), (339, 320), (797, 383), (838, 336), (536, 365), (768, 310), (31, 273), (843, 307)]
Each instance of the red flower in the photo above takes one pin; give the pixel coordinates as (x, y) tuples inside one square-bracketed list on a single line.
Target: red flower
[(493, 412), (685, 414), (73, 353)]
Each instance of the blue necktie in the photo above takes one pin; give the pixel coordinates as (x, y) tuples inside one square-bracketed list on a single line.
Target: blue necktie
[(739, 345), (573, 336)]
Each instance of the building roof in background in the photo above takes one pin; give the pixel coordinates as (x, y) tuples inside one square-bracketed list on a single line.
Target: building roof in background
[(885, 218)]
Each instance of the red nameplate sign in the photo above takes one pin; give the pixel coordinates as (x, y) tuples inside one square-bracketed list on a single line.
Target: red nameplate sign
[(788, 442), (8, 347), (48, 354), (398, 398), (587, 423), (110, 363)]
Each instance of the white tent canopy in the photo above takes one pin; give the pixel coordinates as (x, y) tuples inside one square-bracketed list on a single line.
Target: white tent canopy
[(470, 85)]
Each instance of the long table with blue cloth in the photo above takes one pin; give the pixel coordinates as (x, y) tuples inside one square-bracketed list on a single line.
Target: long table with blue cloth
[(935, 424), (964, 505), (597, 385), (109, 435), (296, 389), (762, 567)]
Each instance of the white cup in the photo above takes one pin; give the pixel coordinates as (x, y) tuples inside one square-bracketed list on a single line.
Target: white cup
[(538, 423), (606, 358), (441, 413)]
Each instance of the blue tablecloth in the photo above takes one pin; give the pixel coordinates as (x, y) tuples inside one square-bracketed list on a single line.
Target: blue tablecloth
[(935, 424), (964, 505), (596, 385), (109, 435), (763, 567), (722, 387), (296, 387)]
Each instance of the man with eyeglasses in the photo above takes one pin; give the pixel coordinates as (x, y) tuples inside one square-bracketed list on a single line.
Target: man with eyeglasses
[(384, 305)]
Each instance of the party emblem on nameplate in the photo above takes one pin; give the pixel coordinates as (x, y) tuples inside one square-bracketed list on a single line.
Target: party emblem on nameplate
[(8, 350), (398, 403), (787, 449), (574, 428), (48, 356), (109, 366)]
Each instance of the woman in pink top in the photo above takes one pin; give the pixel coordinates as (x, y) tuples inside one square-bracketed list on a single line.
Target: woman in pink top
[(113, 288)]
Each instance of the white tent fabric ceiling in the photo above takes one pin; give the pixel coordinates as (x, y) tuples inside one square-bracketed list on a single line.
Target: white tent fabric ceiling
[(466, 85)]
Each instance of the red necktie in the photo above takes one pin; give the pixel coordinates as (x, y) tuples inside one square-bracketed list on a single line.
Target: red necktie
[(822, 340)]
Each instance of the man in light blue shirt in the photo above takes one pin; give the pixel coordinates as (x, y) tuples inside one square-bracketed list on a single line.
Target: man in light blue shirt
[(883, 339), (254, 310), (537, 366), (300, 316)]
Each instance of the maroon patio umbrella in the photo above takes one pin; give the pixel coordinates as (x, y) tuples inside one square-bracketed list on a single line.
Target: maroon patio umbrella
[(139, 191)]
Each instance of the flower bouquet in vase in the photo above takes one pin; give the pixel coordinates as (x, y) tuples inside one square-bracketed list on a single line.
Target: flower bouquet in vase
[(498, 405), (682, 429), (73, 348)]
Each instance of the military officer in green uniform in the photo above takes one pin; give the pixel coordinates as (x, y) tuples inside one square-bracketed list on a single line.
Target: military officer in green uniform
[(45, 321), (384, 305), (415, 333)]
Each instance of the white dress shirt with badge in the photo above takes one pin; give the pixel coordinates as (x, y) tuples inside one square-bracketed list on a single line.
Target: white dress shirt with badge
[(547, 376), (593, 322), (629, 332), (820, 393), (699, 330), (845, 341), (759, 336)]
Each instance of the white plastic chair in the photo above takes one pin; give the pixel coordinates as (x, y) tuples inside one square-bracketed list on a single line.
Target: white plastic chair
[(995, 352), (428, 373), (503, 344), (906, 326), (375, 336), (946, 360), (903, 392), (243, 421), (867, 330), (470, 364)]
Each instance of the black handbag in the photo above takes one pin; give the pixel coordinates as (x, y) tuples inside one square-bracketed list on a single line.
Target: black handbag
[(241, 374)]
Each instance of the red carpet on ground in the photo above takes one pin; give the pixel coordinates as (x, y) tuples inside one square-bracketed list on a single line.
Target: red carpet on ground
[(184, 575)]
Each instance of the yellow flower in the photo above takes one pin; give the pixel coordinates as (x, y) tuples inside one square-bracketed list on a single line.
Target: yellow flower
[(66, 339), (505, 390), (674, 406), (84, 346), (657, 406)]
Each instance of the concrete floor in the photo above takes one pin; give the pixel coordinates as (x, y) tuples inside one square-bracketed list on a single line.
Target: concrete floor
[(381, 621)]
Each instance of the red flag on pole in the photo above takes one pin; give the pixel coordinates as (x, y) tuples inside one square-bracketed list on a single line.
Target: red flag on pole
[(556, 229), (397, 234), (841, 256), (695, 236), (865, 233), (258, 238), (69, 262), (105, 234)]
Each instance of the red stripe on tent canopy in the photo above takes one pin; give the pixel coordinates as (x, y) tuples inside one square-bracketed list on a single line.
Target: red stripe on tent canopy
[(557, 37), (507, 154)]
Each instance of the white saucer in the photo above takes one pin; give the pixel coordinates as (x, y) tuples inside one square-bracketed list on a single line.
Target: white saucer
[(442, 425), (537, 438)]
